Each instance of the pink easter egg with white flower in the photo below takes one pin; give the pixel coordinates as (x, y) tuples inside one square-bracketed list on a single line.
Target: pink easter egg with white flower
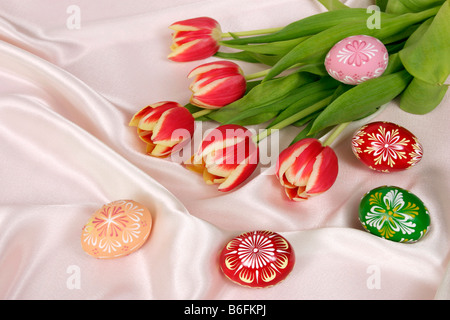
[(357, 59)]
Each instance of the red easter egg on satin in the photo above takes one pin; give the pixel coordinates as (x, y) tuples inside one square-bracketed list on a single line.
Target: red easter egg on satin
[(257, 259), (386, 147)]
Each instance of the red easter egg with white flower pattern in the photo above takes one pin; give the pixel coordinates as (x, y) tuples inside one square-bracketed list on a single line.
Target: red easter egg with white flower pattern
[(386, 147), (356, 59), (257, 259)]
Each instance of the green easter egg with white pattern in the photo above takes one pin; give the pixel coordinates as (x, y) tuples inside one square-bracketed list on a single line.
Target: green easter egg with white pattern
[(394, 214)]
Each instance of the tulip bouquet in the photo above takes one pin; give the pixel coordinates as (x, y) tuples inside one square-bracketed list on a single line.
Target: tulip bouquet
[(295, 89)]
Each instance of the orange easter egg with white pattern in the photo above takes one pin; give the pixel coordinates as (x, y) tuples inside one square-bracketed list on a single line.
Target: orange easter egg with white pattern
[(117, 229)]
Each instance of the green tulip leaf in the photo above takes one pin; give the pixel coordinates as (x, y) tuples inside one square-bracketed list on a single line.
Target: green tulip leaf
[(421, 97), (427, 55), (362, 100)]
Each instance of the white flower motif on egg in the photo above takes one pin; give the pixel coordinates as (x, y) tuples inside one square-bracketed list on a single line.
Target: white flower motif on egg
[(357, 52)]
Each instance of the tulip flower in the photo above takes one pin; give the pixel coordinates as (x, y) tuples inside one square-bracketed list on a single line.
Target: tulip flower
[(227, 156), (217, 84), (194, 39), (306, 168), (164, 126)]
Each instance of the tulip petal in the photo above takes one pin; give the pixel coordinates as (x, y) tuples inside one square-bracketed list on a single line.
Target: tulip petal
[(211, 178), (166, 127), (300, 171), (199, 89), (194, 24), (289, 155), (194, 39), (224, 161), (200, 39), (306, 169), (220, 138), (220, 92), (228, 155), (149, 120), (205, 69), (291, 193), (160, 151), (217, 73), (139, 115), (193, 166), (200, 104), (188, 49), (217, 84), (174, 125), (324, 173), (296, 194), (145, 135), (184, 51), (219, 134), (182, 27), (150, 146), (239, 175)]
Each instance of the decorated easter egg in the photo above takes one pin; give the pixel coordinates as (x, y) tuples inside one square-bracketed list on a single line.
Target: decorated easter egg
[(116, 229), (386, 147), (257, 259), (356, 59), (395, 214)]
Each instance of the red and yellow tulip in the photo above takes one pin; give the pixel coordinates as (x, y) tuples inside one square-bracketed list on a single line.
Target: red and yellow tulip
[(164, 126), (216, 84), (227, 156), (306, 168), (194, 39)]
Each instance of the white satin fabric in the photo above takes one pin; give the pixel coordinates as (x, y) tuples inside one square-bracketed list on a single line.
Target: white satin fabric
[(66, 96)]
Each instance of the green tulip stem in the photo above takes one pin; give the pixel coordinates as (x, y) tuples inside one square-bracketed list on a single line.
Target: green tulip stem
[(257, 75), (263, 73), (250, 33), (337, 131), (199, 114), (290, 120)]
